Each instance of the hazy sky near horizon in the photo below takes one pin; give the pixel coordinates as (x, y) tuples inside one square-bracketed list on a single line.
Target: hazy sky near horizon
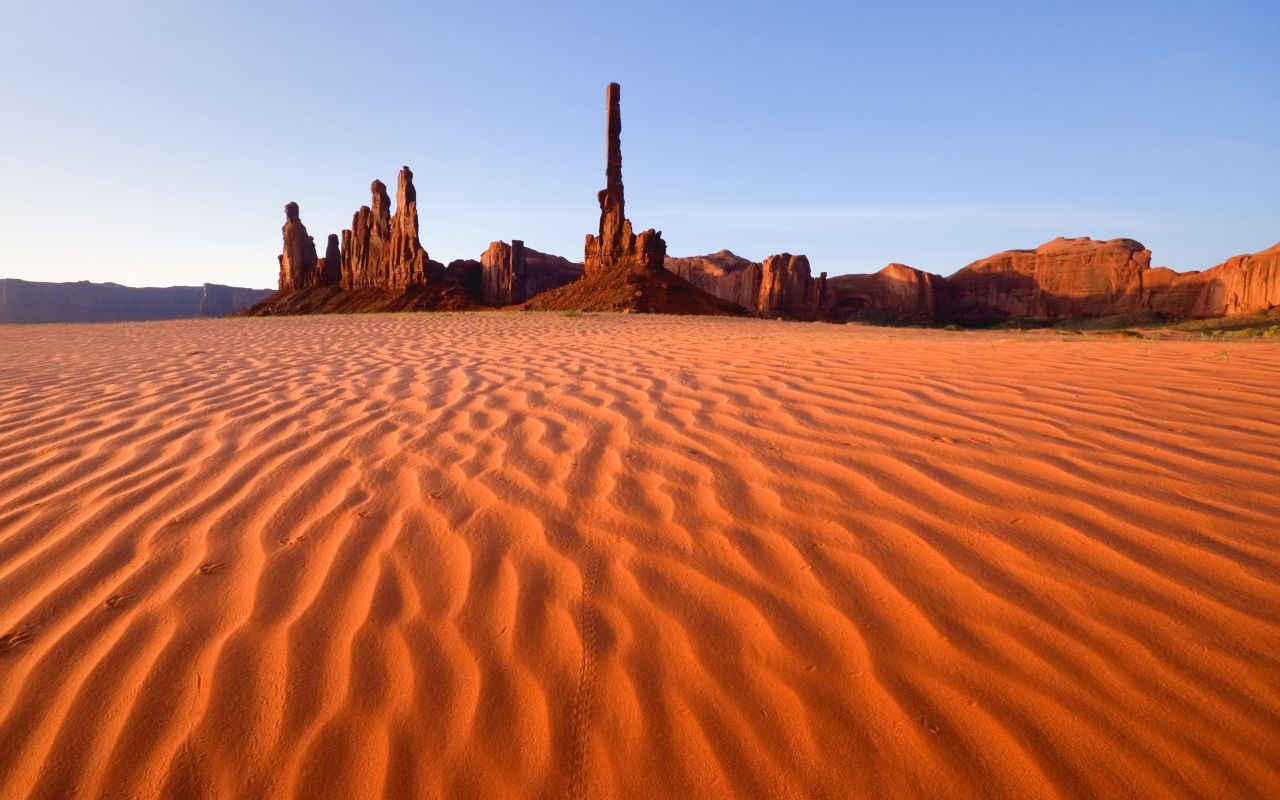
[(155, 143)]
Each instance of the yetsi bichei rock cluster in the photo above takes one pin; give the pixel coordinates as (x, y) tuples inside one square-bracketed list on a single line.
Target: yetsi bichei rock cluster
[(380, 264)]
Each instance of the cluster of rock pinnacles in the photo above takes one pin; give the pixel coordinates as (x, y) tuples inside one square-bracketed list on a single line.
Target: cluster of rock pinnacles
[(1062, 279)]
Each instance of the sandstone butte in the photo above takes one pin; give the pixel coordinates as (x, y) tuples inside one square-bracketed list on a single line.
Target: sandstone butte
[(380, 264)]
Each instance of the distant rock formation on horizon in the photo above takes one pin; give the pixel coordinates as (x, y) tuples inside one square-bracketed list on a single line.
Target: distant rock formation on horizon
[(1060, 280), (83, 301), (780, 285)]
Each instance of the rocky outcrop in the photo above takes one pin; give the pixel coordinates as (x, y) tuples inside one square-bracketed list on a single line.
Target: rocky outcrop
[(615, 245), (503, 274), (1061, 279), (298, 262), (467, 273), (623, 271), (329, 267), (724, 274), (512, 273), (788, 287), (897, 293), (544, 271), (82, 301), (406, 259), (1240, 285), (366, 243), (782, 285)]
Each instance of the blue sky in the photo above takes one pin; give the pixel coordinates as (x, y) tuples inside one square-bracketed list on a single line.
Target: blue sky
[(155, 143)]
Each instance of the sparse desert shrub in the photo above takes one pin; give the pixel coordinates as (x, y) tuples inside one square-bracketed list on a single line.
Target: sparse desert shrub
[(952, 327)]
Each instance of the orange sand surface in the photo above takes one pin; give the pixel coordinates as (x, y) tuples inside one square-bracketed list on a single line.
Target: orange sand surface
[(534, 555)]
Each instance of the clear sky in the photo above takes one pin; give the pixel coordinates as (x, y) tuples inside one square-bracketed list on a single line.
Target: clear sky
[(155, 143)]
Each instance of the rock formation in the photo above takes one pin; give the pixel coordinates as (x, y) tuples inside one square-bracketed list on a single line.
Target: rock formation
[(512, 273), (897, 293), (1240, 285), (724, 274), (382, 251), (1060, 279), (298, 262), (623, 271), (366, 242), (329, 268), (406, 260), (217, 300), (781, 285), (503, 274), (82, 301), (787, 286), (467, 273), (616, 245)]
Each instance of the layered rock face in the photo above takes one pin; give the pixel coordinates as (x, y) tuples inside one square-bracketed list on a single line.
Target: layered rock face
[(298, 262), (724, 274), (782, 284), (512, 273), (1060, 279), (1240, 285), (897, 292), (616, 245), (787, 286), (366, 242), (503, 274)]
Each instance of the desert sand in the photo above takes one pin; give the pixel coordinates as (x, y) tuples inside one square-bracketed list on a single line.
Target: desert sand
[(540, 555)]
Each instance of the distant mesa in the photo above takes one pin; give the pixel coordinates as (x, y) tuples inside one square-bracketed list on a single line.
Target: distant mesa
[(82, 301), (379, 264)]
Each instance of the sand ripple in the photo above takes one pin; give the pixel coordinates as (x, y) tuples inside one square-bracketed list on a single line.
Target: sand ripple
[(485, 555)]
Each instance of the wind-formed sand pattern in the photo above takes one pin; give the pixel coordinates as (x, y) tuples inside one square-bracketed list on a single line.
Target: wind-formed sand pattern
[(541, 555)]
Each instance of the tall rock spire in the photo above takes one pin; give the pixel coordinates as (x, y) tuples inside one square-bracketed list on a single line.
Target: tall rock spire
[(407, 261), (616, 245), (298, 261)]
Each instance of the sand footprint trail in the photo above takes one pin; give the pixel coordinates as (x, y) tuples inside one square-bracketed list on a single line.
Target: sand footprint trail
[(479, 555)]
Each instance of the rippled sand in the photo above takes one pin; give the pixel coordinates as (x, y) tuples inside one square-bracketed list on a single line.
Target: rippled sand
[(534, 555)]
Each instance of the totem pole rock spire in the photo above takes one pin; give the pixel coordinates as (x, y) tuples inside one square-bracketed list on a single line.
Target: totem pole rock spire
[(616, 244)]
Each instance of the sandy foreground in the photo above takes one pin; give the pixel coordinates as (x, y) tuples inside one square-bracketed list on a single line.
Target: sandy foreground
[(535, 555)]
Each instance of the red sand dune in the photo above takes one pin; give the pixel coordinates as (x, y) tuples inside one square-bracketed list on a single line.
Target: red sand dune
[(532, 555)]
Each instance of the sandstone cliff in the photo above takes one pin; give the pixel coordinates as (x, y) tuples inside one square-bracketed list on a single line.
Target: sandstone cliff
[(788, 287), (724, 274), (780, 285), (1060, 279), (1240, 285), (896, 293)]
